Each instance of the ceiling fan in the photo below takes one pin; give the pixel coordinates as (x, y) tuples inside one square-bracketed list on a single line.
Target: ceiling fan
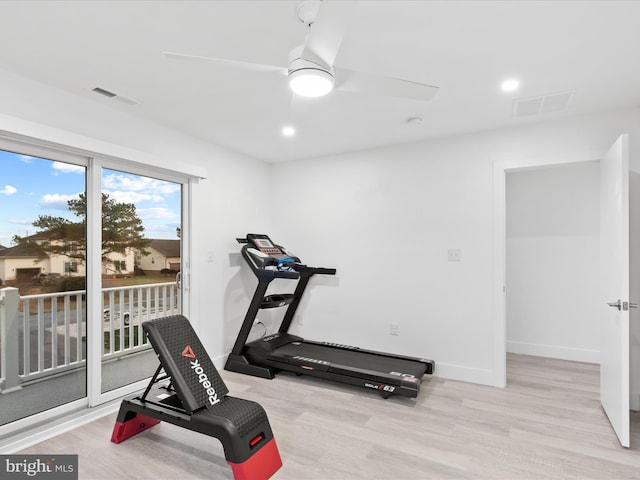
[(311, 71)]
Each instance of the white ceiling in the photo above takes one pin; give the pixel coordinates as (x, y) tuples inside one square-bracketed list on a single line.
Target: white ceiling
[(465, 48)]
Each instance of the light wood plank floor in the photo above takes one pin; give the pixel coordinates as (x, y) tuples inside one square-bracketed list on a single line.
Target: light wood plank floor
[(547, 423)]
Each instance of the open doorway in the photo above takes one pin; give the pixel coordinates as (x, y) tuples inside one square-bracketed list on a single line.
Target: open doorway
[(618, 260), (552, 262)]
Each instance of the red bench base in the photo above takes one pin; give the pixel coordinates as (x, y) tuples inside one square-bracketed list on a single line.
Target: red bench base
[(260, 466), (124, 430)]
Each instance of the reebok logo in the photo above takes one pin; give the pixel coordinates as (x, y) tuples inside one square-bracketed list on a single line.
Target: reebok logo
[(188, 352), (203, 378)]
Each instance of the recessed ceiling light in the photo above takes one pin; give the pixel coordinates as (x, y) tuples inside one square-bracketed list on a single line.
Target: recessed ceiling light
[(288, 131), (510, 85)]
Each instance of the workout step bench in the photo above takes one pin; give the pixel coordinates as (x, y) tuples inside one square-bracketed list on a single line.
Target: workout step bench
[(196, 398)]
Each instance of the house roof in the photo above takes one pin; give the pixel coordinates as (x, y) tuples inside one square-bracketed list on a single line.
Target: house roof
[(17, 251), (43, 235), (168, 248)]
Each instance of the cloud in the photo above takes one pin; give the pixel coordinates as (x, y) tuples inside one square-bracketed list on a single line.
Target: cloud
[(61, 167), (155, 213), (57, 201), (128, 197), (20, 221), (8, 190), (150, 186), (25, 158), (167, 231)]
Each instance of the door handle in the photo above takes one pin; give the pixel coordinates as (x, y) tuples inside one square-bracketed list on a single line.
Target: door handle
[(617, 304), (620, 305)]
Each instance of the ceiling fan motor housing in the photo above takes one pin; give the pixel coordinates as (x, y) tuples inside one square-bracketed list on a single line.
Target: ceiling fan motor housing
[(309, 78)]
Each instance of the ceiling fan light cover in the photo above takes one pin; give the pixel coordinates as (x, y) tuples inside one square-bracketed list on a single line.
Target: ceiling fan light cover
[(311, 82)]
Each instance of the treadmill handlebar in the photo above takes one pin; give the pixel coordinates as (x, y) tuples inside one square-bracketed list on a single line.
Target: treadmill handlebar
[(325, 271), (264, 273), (313, 270)]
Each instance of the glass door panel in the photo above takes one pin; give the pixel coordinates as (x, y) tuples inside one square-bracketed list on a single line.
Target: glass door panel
[(141, 262), (42, 285)]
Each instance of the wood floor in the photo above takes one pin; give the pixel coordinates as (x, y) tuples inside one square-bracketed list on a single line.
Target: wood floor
[(547, 423)]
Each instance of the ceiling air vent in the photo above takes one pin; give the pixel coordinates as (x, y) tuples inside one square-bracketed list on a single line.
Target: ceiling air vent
[(104, 92), (552, 102), (115, 96)]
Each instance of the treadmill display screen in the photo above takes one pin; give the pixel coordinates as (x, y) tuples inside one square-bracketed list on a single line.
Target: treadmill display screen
[(263, 243)]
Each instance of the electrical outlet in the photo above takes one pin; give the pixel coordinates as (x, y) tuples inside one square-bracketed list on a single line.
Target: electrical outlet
[(394, 329)]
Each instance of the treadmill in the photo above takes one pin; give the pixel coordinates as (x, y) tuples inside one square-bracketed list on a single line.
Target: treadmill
[(387, 373)]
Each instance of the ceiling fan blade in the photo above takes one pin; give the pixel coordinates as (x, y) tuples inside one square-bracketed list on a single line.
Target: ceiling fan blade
[(231, 63), (327, 31), (359, 82)]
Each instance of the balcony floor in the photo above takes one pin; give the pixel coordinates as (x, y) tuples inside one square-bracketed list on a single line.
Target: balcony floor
[(67, 387)]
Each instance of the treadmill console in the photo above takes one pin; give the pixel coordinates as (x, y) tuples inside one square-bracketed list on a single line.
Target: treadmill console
[(267, 255), (264, 244)]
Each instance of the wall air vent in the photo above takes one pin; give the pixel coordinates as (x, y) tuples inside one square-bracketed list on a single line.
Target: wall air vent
[(552, 102), (115, 96)]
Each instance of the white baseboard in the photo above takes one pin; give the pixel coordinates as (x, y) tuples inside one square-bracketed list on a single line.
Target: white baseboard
[(220, 361), (554, 351), (464, 374)]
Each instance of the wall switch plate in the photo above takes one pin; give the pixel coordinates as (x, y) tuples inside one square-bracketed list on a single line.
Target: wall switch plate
[(209, 256), (454, 255), (394, 329)]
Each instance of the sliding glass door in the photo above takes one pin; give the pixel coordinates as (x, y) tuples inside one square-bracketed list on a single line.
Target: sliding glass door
[(90, 248)]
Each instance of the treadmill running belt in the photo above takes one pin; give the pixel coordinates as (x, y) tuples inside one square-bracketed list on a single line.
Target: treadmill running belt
[(353, 358)]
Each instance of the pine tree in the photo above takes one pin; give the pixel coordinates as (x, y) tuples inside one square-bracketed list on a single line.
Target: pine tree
[(122, 229)]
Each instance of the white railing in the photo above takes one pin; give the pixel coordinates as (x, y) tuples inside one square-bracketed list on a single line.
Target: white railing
[(125, 308), (44, 335)]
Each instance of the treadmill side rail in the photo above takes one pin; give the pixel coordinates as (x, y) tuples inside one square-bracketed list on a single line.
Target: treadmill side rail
[(429, 364)]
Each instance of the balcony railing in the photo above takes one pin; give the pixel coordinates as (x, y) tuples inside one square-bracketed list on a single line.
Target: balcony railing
[(45, 335)]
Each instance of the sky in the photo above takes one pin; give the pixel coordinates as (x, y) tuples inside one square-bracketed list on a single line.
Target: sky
[(31, 186)]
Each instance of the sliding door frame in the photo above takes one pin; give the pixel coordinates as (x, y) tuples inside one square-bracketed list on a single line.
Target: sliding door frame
[(94, 162)]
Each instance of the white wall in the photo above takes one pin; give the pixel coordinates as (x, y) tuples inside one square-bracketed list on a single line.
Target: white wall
[(230, 201), (552, 225), (386, 219)]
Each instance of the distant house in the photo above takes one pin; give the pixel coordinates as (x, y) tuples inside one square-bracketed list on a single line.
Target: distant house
[(163, 255), (15, 261), (20, 264), (2, 247)]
